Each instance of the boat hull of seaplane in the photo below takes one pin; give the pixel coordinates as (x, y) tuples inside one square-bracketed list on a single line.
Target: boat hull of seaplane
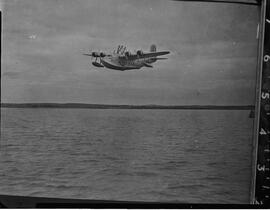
[(108, 63)]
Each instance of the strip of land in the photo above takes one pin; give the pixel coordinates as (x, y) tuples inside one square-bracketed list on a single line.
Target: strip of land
[(109, 106)]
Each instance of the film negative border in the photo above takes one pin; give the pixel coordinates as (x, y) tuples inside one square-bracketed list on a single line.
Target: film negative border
[(262, 182)]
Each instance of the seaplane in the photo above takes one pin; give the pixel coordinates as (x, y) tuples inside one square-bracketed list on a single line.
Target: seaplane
[(123, 60)]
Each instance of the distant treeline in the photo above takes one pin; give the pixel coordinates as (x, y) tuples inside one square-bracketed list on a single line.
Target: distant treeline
[(107, 106)]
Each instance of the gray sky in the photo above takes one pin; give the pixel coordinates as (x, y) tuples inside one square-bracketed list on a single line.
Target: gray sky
[(213, 51)]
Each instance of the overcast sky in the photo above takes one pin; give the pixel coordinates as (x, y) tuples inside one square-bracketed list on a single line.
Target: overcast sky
[(213, 51)]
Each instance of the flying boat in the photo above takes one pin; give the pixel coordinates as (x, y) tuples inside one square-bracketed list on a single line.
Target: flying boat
[(123, 60)]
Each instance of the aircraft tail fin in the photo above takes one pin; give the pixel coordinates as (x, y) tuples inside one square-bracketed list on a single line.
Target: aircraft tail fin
[(153, 48)]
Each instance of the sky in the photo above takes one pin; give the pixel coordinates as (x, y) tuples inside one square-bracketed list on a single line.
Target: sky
[(212, 61)]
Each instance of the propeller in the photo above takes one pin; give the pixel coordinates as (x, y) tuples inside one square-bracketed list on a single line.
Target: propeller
[(96, 55)]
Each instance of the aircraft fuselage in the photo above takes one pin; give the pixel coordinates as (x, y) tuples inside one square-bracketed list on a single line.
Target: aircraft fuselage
[(123, 64)]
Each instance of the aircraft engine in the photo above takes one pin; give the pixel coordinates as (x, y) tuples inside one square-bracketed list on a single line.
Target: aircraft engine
[(140, 52), (127, 54), (102, 55), (95, 54)]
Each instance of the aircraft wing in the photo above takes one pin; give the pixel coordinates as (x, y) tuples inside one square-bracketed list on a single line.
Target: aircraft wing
[(97, 55), (154, 54)]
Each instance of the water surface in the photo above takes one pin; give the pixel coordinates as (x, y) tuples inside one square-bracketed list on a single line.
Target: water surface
[(136, 155)]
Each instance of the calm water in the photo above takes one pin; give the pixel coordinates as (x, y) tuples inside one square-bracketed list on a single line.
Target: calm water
[(143, 155)]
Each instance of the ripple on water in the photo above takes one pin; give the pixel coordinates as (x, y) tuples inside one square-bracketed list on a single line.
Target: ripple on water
[(154, 155)]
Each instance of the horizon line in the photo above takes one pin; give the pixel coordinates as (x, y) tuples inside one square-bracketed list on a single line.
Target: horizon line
[(123, 106), (60, 103)]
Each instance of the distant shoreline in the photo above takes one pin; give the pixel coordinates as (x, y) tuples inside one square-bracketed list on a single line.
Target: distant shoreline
[(108, 106)]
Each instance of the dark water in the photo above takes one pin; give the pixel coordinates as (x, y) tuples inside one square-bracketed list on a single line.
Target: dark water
[(144, 155)]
